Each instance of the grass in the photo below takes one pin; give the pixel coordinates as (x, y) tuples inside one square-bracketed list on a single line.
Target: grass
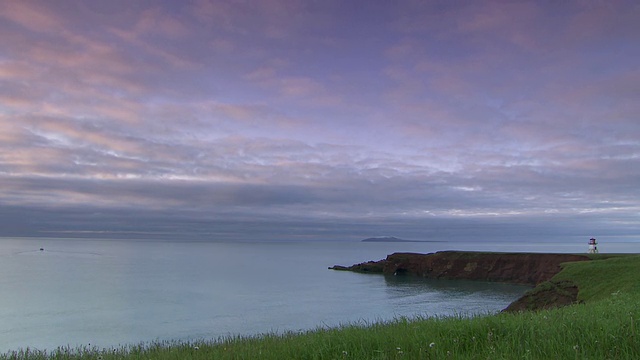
[(601, 278), (605, 326)]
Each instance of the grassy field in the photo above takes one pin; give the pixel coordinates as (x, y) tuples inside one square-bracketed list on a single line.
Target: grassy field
[(604, 326)]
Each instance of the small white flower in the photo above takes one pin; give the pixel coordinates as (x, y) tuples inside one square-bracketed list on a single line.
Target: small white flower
[(196, 348), (432, 345), (576, 347), (345, 353)]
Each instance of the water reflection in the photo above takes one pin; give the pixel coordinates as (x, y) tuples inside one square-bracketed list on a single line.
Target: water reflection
[(407, 284), (439, 296)]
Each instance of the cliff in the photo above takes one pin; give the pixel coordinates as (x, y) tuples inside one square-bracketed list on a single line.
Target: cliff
[(515, 268)]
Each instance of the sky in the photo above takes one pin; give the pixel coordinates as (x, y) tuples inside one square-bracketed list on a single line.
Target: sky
[(332, 120)]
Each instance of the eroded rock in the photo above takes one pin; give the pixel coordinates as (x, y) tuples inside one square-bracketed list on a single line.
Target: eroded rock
[(534, 269)]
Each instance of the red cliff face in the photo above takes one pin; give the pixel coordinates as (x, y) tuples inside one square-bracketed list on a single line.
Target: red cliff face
[(517, 268), (514, 268)]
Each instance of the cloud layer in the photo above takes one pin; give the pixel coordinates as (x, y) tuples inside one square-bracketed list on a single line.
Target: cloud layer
[(296, 119)]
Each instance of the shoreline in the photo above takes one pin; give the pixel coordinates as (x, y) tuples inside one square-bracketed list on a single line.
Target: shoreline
[(608, 296), (534, 269)]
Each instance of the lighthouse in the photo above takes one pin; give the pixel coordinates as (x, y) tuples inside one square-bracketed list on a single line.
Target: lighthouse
[(593, 246)]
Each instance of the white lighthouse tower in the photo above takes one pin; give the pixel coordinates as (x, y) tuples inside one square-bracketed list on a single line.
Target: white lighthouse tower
[(593, 246)]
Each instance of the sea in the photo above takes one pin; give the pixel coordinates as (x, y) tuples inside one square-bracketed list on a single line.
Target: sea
[(107, 293)]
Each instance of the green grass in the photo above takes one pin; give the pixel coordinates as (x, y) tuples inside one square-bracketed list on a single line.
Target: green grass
[(601, 278), (605, 326)]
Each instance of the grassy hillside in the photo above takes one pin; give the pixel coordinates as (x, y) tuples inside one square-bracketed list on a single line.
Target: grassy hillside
[(605, 326), (600, 279)]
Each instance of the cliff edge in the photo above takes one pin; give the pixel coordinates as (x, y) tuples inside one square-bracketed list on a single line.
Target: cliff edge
[(514, 268)]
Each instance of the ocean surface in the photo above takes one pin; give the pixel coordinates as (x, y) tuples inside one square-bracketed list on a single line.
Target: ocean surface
[(108, 293)]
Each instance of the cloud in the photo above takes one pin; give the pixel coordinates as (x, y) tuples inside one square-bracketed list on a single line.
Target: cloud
[(314, 120), (31, 16)]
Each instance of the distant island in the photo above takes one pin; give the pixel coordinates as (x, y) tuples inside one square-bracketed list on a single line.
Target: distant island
[(390, 239)]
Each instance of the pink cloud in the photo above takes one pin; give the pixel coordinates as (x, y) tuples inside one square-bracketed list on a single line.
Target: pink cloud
[(213, 12), (598, 20), (232, 118), (31, 16), (156, 21), (11, 134), (263, 73), (166, 55), (299, 86), (13, 70), (495, 15), (74, 135), (264, 18)]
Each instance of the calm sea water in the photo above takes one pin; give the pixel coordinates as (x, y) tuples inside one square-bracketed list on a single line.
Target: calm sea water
[(112, 292)]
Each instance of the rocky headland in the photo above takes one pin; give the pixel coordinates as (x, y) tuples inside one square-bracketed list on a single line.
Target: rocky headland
[(535, 269)]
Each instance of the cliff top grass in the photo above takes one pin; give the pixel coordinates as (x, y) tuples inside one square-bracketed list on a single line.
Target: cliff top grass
[(604, 276), (605, 326)]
